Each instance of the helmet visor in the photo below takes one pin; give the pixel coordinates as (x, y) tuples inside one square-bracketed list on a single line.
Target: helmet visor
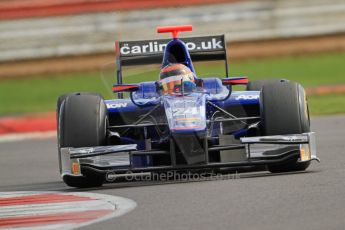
[(178, 84)]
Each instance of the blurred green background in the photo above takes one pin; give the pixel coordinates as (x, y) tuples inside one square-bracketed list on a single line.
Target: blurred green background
[(39, 93)]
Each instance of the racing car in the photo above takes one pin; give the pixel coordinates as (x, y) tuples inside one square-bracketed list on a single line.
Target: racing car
[(182, 122)]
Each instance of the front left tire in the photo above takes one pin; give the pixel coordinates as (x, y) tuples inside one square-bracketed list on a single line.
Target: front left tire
[(82, 121)]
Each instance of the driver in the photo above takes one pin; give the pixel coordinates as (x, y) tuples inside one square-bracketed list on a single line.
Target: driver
[(176, 79)]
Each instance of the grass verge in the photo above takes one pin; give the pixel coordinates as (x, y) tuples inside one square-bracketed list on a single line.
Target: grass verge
[(39, 93), (326, 104)]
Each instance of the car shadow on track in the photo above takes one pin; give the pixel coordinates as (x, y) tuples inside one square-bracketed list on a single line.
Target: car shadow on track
[(239, 176), (59, 186), (43, 186)]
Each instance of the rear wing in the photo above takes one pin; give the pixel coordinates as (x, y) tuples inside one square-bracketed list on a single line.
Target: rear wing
[(146, 52), (151, 51)]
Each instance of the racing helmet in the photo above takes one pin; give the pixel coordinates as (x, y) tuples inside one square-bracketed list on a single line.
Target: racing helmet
[(177, 78)]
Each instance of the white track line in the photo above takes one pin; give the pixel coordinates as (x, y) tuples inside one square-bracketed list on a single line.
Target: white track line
[(53, 208), (27, 136)]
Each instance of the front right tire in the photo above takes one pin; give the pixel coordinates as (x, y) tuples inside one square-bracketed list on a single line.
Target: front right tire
[(284, 110)]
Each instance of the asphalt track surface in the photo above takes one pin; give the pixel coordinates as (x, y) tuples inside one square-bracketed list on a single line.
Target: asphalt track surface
[(311, 200)]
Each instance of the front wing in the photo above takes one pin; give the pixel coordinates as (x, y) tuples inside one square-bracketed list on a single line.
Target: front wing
[(118, 159)]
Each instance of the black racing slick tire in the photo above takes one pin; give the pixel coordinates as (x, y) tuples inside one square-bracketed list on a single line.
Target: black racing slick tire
[(284, 110), (82, 121), (63, 97), (257, 85)]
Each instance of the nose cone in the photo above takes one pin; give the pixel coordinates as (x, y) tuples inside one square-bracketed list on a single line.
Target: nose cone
[(190, 144)]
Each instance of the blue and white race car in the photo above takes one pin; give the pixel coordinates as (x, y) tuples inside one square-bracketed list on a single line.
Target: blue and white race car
[(181, 122)]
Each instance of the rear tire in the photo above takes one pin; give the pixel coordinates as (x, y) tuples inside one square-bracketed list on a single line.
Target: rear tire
[(82, 122), (284, 110)]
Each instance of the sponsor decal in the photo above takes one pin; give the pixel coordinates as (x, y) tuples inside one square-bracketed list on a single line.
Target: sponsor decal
[(197, 44), (305, 154), (117, 105), (75, 168), (87, 150), (247, 97)]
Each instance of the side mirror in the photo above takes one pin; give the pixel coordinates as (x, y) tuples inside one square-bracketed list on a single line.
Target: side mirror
[(125, 88), (199, 82), (235, 81)]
